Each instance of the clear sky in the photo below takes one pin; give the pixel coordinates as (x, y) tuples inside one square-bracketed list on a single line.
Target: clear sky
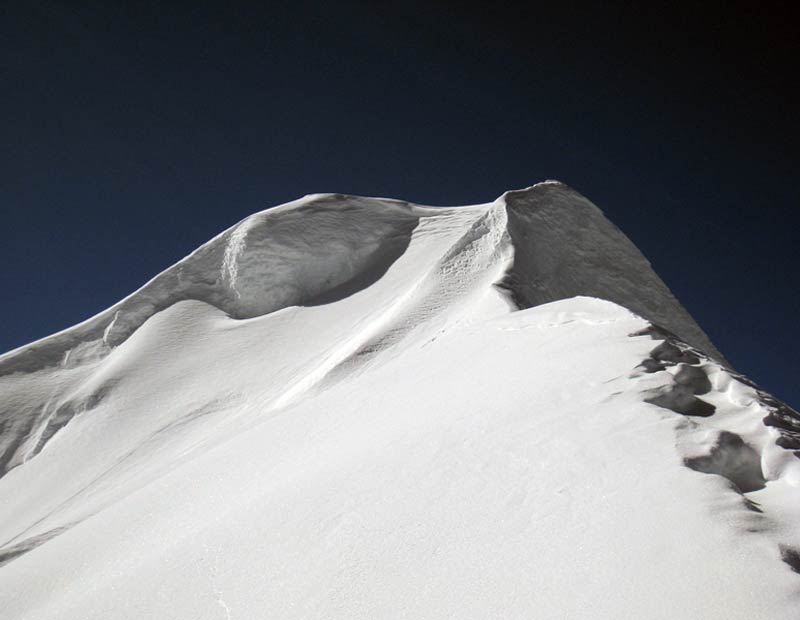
[(135, 131)]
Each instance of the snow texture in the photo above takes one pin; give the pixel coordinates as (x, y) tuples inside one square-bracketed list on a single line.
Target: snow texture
[(349, 407)]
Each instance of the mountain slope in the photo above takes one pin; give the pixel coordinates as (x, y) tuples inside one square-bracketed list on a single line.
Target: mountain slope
[(336, 408)]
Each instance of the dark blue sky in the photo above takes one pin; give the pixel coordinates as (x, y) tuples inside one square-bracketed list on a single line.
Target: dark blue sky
[(135, 131)]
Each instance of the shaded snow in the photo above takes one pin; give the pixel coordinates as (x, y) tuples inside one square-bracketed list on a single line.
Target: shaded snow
[(565, 247)]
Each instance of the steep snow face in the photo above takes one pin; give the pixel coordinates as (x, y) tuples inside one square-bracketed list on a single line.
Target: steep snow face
[(336, 409), (564, 246), (317, 252)]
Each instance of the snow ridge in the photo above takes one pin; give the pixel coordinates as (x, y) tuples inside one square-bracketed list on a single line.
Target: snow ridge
[(564, 246)]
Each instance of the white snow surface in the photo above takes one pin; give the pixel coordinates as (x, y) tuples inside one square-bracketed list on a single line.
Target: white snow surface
[(341, 408)]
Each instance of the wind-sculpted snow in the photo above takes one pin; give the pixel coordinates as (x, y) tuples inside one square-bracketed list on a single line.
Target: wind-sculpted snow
[(314, 250), (721, 433), (310, 252), (338, 409)]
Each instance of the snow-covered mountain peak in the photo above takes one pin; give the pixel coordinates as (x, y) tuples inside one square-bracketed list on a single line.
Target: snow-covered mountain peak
[(533, 187), (324, 247), (348, 407)]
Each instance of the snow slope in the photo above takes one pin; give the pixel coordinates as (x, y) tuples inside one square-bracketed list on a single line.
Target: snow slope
[(340, 408)]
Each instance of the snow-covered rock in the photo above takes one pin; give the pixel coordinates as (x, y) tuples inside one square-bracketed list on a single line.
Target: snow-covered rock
[(349, 407)]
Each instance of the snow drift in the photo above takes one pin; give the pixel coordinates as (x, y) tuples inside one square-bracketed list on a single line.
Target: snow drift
[(351, 407)]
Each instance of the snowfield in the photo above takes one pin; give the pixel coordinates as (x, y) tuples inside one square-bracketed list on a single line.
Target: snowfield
[(349, 407)]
